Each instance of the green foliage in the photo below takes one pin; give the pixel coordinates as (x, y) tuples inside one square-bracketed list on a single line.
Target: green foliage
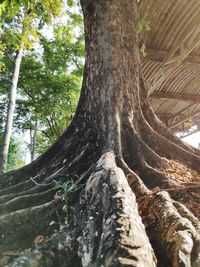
[(20, 25), (39, 8), (143, 50), (56, 80), (55, 75), (143, 26), (190, 123), (21, 20), (71, 3), (15, 155), (64, 189), (2, 51), (51, 69)]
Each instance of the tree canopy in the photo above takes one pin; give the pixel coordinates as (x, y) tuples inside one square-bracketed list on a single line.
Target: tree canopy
[(51, 67)]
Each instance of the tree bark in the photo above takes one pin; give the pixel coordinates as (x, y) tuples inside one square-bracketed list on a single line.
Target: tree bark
[(113, 163), (33, 140), (10, 112)]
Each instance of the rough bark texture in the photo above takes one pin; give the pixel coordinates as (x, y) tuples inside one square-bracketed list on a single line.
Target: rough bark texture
[(112, 232), (112, 150)]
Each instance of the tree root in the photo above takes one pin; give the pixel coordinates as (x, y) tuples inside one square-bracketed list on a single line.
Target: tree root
[(112, 232), (17, 188), (26, 201), (134, 181), (181, 241), (154, 178), (136, 151), (32, 221), (62, 153), (166, 148), (162, 129), (157, 124), (33, 190), (184, 212), (143, 160), (108, 226), (58, 250)]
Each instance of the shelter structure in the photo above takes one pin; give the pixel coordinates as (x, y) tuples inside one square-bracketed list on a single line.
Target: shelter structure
[(172, 65)]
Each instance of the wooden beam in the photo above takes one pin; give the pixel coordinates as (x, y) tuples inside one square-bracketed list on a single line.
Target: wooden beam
[(178, 115), (185, 98), (181, 111), (159, 56), (164, 115), (170, 119), (172, 116), (184, 119), (184, 49)]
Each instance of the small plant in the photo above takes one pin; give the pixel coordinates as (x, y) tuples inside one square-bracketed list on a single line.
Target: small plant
[(63, 191), (65, 188), (143, 50), (143, 26)]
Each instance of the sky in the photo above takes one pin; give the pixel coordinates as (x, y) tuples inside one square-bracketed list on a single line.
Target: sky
[(193, 139)]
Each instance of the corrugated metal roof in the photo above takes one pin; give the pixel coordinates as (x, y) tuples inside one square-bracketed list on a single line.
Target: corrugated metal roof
[(172, 66)]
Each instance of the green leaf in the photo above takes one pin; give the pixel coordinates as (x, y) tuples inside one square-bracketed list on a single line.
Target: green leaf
[(65, 208), (143, 50), (143, 26), (52, 223), (62, 227)]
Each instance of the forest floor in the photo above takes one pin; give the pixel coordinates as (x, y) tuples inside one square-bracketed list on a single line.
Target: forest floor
[(189, 181), (187, 192)]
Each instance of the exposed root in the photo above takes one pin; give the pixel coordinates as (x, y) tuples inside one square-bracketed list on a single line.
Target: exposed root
[(17, 188), (58, 250), (61, 155), (26, 201), (108, 226), (189, 197), (157, 124), (162, 129), (166, 148), (33, 190), (112, 232), (107, 217), (31, 222), (136, 184), (135, 151), (181, 241), (184, 212), (154, 178), (143, 160)]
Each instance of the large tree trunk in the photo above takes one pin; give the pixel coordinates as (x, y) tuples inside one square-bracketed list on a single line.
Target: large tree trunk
[(10, 112), (112, 153)]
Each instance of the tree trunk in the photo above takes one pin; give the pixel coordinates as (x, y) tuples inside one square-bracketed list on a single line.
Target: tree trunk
[(112, 152), (10, 112), (33, 139)]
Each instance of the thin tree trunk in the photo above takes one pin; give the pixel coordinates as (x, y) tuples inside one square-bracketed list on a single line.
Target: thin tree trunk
[(33, 137), (10, 112)]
